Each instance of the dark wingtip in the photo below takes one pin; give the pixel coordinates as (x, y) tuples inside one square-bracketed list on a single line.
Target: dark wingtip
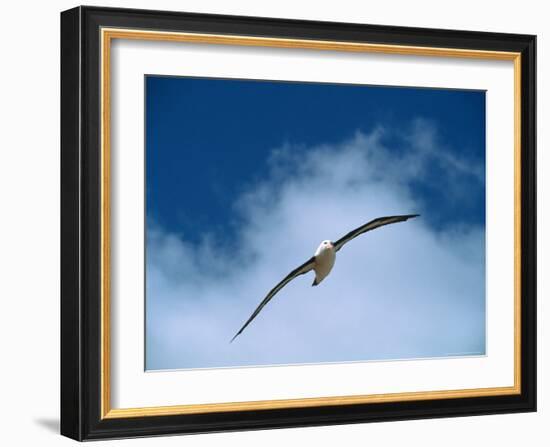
[(240, 331)]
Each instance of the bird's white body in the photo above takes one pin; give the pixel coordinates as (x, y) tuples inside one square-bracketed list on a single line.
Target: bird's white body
[(324, 261)]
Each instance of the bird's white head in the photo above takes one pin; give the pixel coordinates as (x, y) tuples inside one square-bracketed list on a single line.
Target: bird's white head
[(324, 246)]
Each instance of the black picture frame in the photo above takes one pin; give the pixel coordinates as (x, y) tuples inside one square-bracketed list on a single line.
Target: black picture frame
[(81, 393)]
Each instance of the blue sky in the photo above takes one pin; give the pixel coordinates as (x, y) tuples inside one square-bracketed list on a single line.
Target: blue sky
[(245, 178)]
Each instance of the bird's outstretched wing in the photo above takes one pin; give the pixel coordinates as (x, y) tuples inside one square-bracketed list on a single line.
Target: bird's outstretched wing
[(304, 268), (378, 222)]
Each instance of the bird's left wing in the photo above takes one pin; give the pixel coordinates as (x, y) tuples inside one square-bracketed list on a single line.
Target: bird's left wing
[(304, 268), (378, 222)]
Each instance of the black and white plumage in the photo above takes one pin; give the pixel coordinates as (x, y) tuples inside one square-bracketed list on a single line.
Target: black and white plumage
[(323, 260)]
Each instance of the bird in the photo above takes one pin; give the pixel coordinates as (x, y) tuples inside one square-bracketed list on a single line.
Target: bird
[(323, 260)]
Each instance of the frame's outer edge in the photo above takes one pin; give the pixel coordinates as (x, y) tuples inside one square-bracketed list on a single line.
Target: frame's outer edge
[(302, 29), (80, 225), (529, 225), (71, 256)]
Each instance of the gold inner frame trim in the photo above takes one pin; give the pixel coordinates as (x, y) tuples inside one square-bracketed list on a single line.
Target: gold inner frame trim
[(107, 35)]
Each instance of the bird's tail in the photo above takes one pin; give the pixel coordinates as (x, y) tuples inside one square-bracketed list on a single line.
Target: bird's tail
[(315, 282)]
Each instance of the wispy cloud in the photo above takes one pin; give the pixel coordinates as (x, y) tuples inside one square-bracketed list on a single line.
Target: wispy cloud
[(403, 291)]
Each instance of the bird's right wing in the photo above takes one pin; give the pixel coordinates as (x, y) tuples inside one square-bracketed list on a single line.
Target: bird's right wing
[(304, 268), (376, 223)]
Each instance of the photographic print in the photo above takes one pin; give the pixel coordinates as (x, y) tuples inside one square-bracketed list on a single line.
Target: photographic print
[(300, 222)]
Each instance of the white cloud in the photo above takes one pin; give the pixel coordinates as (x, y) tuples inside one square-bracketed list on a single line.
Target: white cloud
[(402, 291)]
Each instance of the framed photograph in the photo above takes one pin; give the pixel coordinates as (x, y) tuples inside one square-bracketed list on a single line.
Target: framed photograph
[(277, 223)]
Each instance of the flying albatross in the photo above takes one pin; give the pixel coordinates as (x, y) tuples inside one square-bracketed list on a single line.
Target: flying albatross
[(323, 260)]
